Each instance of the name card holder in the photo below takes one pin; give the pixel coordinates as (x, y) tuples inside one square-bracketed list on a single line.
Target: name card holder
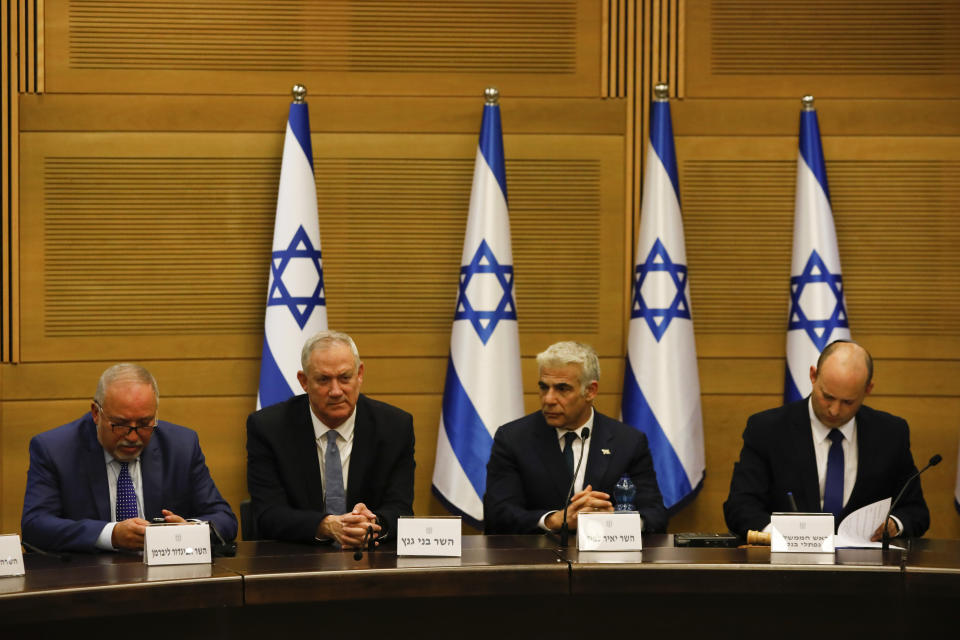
[(801, 533), (177, 544), (606, 531), (429, 536), (11, 555)]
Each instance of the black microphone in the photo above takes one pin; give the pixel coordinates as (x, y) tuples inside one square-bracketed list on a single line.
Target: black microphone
[(885, 536), (564, 530), (364, 543), (63, 557), (218, 546)]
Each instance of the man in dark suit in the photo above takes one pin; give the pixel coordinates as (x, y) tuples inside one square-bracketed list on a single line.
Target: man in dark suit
[(313, 456), (534, 458), (788, 450), (96, 482)]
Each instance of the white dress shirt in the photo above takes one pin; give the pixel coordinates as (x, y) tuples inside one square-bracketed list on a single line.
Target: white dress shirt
[(344, 444), (105, 539), (821, 447), (578, 447)]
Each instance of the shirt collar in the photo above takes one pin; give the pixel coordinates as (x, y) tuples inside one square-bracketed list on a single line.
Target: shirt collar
[(579, 430), (345, 430), (110, 459), (821, 431)]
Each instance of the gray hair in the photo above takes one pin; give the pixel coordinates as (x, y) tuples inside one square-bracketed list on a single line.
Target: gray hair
[(124, 372), (561, 354), (324, 340)]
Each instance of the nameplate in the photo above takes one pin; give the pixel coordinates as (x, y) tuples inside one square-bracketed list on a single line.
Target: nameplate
[(428, 536), (177, 544), (11, 555), (605, 531), (801, 533)]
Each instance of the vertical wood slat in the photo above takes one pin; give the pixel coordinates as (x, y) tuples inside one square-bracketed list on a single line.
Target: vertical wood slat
[(38, 46), (605, 49), (630, 153), (681, 46), (13, 82)]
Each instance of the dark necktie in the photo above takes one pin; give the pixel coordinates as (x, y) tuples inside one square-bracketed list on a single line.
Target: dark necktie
[(568, 451), (336, 499), (833, 488), (126, 495)]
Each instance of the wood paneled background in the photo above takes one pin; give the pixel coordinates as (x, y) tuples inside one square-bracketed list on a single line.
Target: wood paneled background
[(141, 155)]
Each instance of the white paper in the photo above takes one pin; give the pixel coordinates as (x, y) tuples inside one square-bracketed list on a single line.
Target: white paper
[(857, 528)]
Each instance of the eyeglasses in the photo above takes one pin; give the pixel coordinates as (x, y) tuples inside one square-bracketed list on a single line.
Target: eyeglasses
[(125, 430)]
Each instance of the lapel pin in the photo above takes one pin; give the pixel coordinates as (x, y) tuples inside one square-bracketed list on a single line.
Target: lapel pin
[(605, 452)]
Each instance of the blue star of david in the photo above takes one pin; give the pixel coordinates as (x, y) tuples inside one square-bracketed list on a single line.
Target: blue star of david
[(658, 319), (300, 307), (485, 322), (818, 330)]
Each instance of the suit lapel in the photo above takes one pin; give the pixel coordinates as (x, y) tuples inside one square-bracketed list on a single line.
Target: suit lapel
[(303, 450), (808, 492), (95, 467), (867, 451), (361, 454), (151, 473), (597, 462)]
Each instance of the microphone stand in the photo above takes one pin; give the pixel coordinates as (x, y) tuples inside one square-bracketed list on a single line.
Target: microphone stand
[(885, 536)]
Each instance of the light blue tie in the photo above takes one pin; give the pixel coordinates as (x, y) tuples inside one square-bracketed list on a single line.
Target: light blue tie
[(336, 499), (126, 495)]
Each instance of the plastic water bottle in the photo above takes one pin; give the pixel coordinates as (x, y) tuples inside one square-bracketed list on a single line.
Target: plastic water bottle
[(624, 494)]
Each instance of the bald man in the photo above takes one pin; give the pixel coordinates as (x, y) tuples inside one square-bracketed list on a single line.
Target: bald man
[(833, 453)]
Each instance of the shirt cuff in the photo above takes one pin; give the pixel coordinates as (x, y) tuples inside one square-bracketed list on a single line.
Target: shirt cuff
[(899, 525), (105, 539), (543, 521)]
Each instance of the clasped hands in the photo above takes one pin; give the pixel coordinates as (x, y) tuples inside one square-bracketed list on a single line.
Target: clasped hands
[(350, 528), (129, 534), (586, 500)]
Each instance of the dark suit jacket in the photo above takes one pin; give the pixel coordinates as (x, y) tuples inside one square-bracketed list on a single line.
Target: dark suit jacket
[(527, 476), (283, 470), (67, 501), (778, 456)]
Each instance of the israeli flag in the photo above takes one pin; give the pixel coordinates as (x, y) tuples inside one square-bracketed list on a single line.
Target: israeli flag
[(296, 302), (818, 309), (661, 385), (956, 492), (483, 387)]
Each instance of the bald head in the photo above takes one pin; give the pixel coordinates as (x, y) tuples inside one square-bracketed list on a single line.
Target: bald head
[(849, 351), (841, 380)]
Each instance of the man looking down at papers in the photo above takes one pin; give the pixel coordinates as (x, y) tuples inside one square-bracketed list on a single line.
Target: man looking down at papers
[(830, 451), (95, 483)]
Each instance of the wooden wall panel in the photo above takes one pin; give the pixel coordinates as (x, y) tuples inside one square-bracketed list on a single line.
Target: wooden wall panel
[(382, 47), (835, 48), (198, 137), (156, 243), (894, 203)]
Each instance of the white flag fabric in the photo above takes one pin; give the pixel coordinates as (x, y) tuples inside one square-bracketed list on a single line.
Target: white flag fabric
[(661, 386), (818, 309), (296, 302), (483, 388)]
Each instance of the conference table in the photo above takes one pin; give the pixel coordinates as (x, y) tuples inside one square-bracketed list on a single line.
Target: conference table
[(512, 586)]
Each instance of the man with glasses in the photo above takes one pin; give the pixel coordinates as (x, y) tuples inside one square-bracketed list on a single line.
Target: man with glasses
[(97, 482)]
